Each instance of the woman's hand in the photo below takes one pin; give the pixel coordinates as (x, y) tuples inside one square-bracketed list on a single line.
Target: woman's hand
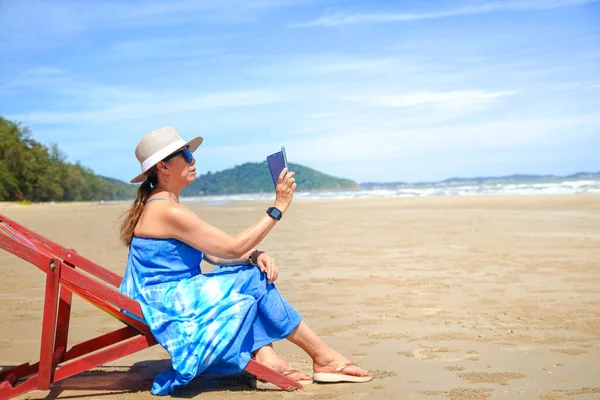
[(267, 264), (284, 192)]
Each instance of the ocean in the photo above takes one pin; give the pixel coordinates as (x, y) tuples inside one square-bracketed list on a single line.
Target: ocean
[(496, 189)]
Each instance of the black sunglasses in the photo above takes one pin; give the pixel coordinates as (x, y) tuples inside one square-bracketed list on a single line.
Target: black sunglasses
[(187, 154)]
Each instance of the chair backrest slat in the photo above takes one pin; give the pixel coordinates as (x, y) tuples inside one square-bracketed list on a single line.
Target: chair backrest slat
[(108, 308), (42, 245), (7, 230), (131, 320)]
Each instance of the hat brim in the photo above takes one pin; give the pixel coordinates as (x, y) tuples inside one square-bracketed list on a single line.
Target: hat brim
[(192, 145)]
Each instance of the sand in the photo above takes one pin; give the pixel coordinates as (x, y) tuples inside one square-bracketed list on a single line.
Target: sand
[(442, 298)]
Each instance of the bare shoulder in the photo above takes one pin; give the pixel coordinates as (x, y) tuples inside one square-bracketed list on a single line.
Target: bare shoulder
[(162, 219), (178, 216)]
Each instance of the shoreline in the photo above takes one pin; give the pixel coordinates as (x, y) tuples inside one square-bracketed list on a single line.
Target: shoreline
[(198, 200)]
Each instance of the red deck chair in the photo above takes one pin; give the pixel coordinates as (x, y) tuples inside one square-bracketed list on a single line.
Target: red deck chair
[(66, 273)]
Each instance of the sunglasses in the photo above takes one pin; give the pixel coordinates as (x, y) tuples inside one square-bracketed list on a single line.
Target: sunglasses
[(187, 154)]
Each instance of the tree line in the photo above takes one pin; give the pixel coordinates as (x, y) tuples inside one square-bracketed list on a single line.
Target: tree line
[(30, 171)]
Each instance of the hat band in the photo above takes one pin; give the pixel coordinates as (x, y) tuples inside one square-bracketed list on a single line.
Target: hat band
[(159, 156)]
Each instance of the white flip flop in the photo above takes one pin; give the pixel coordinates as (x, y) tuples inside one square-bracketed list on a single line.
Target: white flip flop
[(340, 376)]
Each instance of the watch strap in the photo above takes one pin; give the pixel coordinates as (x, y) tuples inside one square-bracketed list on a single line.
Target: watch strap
[(253, 259)]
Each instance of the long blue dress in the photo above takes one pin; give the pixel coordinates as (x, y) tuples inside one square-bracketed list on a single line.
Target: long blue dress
[(207, 322)]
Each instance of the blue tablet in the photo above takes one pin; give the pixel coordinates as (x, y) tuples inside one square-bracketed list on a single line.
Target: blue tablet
[(277, 162)]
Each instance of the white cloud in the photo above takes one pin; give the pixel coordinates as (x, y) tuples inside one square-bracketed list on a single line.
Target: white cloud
[(349, 66), (39, 25), (138, 110), (373, 144), (367, 144), (45, 70), (321, 115), (163, 48), (310, 65), (33, 78), (457, 99), (377, 18)]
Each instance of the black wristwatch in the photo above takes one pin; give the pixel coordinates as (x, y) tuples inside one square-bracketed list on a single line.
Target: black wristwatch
[(274, 213)]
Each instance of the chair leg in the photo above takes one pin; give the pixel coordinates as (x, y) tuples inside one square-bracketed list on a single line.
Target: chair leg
[(8, 391), (10, 375), (270, 375), (64, 317), (80, 358), (49, 326), (103, 356)]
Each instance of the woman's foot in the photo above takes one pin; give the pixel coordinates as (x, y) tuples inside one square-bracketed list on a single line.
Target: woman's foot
[(331, 366), (328, 364), (267, 356)]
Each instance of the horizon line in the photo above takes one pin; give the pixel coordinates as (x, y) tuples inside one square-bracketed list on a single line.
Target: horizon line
[(406, 182)]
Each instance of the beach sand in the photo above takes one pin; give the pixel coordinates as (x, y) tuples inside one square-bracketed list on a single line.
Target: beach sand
[(442, 298)]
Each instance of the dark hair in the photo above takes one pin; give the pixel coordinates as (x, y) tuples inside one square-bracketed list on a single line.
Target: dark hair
[(135, 212)]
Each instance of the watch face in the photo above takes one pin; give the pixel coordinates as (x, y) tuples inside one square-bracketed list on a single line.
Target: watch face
[(274, 213)]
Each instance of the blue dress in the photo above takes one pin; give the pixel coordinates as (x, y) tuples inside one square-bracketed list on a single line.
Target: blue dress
[(207, 322)]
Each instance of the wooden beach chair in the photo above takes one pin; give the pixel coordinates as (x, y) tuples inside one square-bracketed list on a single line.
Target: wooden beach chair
[(66, 273)]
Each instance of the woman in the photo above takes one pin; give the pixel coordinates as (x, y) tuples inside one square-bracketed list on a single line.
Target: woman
[(210, 322)]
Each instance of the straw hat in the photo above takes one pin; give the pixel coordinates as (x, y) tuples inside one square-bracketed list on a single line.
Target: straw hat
[(157, 145)]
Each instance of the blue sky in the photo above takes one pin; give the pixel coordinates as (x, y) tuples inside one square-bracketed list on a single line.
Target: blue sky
[(370, 90)]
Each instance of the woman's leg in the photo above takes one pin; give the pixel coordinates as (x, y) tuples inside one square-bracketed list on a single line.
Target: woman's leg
[(325, 359), (275, 316)]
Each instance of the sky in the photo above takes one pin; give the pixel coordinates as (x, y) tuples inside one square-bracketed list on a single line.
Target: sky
[(378, 91)]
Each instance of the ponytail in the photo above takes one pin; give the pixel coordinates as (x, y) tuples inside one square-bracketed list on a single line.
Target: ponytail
[(134, 214)]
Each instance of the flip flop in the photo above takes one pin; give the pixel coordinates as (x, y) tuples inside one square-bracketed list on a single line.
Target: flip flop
[(340, 376), (264, 385)]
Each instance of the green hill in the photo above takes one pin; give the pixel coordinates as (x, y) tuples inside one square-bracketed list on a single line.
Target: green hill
[(255, 178), (485, 180)]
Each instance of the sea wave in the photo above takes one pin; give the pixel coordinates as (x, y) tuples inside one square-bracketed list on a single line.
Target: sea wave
[(495, 189)]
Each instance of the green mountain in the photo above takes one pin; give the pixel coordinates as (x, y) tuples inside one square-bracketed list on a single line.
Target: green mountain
[(255, 178), (480, 180)]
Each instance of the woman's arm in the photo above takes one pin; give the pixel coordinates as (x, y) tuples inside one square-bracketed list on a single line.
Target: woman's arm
[(245, 259), (262, 260), (181, 223)]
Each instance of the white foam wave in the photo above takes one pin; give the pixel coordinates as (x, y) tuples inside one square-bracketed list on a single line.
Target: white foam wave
[(495, 189)]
